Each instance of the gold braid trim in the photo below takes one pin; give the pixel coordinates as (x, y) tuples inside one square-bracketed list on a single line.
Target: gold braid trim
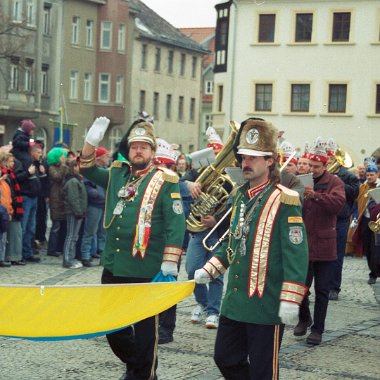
[(289, 196), (214, 267), (293, 292), (169, 175)]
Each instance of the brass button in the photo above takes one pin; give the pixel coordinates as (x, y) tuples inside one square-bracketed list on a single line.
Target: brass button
[(235, 289), (237, 262), (120, 216), (117, 239), (118, 228), (236, 276), (118, 250)]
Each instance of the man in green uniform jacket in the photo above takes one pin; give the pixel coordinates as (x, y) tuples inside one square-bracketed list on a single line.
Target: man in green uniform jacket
[(145, 227), (266, 253)]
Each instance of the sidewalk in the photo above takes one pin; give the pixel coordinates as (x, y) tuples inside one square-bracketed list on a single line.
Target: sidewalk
[(350, 348)]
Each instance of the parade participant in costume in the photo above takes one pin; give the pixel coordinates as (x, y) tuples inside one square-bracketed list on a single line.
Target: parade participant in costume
[(266, 253), (322, 204), (303, 165), (144, 231), (285, 152), (351, 188), (208, 297)]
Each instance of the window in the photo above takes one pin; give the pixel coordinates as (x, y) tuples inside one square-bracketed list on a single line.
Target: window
[(46, 19), (300, 98), (192, 109), (183, 64), (74, 84), (180, 107), (142, 100), (263, 98), (156, 103), (45, 80), (341, 26), (119, 96), (114, 138), (220, 98), (121, 38), (17, 11), (13, 85), (209, 87), (75, 31), (266, 27), (221, 37), (89, 33), (208, 121), (106, 35), (104, 87), (304, 27), (170, 61), (168, 107), (87, 88), (31, 13), (28, 78), (157, 65), (194, 67), (337, 98), (144, 51), (377, 110)]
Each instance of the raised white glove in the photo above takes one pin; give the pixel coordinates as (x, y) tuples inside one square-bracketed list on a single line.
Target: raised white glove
[(201, 276), (168, 267), (97, 130), (288, 312)]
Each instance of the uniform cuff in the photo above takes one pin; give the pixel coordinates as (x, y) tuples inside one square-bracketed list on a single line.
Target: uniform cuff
[(293, 292)]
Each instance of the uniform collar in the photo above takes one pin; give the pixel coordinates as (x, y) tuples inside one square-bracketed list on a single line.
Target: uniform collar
[(255, 190)]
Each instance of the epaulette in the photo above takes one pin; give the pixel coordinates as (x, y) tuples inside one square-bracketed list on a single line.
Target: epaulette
[(289, 196), (118, 164), (168, 175)]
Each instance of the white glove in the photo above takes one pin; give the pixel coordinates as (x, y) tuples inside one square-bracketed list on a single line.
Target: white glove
[(97, 130), (201, 276), (288, 312), (168, 267)]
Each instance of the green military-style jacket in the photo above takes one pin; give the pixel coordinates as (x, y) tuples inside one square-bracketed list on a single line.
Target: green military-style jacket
[(274, 266), (146, 230)]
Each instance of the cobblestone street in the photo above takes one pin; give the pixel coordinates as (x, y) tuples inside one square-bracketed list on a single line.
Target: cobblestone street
[(350, 348)]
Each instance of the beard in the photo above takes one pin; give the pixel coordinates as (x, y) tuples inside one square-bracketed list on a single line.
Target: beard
[(140, 164)]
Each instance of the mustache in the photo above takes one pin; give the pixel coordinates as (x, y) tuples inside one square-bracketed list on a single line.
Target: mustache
[(247, 169)]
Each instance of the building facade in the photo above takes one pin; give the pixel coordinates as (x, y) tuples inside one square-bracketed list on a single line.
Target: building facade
[(308, 67)]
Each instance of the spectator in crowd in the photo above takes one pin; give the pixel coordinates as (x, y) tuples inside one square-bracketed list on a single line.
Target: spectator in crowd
[(23, 140), (361, 173), (28, 174), (75, 201), (56, 160)]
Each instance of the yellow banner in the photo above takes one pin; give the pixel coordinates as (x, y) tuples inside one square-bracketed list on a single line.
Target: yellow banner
[(69, 312)]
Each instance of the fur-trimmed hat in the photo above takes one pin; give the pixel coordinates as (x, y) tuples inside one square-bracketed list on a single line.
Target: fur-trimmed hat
[(143, 132), (256, 137), (319, 153)]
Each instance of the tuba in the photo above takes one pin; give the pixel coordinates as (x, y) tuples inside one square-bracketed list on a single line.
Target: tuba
[(375, 226), (342, 158), (215, 185)]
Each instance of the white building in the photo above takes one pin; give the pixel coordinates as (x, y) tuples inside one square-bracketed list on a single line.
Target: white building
[(312, 68)]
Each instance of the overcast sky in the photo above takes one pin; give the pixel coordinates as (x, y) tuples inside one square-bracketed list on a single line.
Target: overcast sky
[(185, 13)]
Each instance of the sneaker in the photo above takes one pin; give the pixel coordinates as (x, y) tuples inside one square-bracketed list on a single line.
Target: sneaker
[(5, 264), (86, 263), (198, 314), (75, 265), (212, 321), (333, 295)]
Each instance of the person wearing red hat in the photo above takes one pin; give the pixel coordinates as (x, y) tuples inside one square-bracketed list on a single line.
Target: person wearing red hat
[(322, 204)]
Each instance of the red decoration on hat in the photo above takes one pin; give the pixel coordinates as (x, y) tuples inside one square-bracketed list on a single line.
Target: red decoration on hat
[(319, 153), (306, 153), (331, 147), (100, 151), (166, 153), (214, 140)]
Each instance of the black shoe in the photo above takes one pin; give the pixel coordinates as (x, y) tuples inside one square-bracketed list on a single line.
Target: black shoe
[(371, 280), (5, 264), (32, 259), (301, 328), (54, 254), (333, 295), (86, 263), (96, 256), (124, 376), (163, 339), (314, 338), (19, 262)]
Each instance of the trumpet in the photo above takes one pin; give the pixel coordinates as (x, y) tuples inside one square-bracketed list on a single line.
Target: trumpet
[(375, 226)]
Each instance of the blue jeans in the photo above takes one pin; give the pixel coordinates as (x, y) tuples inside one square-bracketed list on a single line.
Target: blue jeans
[(210, 297), (73, 227), (341, 238), (28, 225), (91, 225)]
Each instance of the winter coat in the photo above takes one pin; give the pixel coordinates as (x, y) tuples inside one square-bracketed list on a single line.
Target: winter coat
[(75, 196), (320, 216), (57, 174), (30, 184)]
